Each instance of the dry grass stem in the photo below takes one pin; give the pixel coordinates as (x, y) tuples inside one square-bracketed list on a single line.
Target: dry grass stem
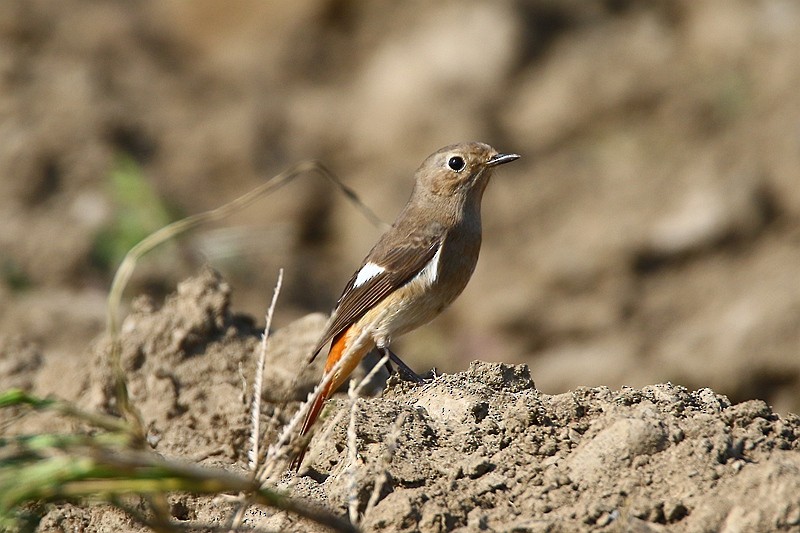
[(125, 271), (352, 453), (255, 404), (280, 453), (391, 447), (255, 411), (116, 460), (352, 448)]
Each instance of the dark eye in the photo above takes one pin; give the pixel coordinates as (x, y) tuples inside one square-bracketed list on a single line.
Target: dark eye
[(456, 163)]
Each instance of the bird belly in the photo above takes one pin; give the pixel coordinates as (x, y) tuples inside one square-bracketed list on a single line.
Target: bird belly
[(428, 293), (411, 306)]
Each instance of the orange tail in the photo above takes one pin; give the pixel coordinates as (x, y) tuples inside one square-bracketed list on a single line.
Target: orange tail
[(334, 355)]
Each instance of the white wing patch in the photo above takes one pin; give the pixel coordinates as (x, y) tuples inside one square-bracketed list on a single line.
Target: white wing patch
[(430, 273), (367, 272)]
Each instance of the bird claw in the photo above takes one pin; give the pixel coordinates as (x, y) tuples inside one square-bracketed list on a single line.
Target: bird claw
[(405, 372)]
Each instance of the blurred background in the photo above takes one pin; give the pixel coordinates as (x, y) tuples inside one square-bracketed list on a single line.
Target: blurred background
[(651, 231)]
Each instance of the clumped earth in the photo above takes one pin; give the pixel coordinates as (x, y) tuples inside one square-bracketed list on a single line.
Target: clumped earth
[(479, 450), (650, 233)]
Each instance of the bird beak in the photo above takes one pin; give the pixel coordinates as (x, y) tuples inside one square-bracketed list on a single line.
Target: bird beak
[(501, 159)]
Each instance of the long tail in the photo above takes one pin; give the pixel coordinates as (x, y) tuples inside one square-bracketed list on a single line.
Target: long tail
[(336, 352)]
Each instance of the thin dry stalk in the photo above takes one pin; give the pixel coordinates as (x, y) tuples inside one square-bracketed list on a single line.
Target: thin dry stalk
[(352, 492), (368, 378), (56, 468), (255, 405), (125, 271), (352, 448), (255, 410), (168, 477), (280, 451), (391, 447)]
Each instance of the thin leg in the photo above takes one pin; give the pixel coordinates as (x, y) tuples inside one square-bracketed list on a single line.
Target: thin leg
[(403, 369), (389, 367)]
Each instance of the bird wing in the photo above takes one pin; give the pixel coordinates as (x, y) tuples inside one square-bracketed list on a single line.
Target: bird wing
[(394, 266)]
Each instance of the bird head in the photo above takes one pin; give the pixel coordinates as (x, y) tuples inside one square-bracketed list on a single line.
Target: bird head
[(460, 169)]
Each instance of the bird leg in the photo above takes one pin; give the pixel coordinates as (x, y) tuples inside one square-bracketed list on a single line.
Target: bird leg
[(403, 369)]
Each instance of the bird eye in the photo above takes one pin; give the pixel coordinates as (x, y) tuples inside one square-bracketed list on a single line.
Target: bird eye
[(456, 163)]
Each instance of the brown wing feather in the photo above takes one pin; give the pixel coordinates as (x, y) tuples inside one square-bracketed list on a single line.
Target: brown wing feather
[(401, 264)]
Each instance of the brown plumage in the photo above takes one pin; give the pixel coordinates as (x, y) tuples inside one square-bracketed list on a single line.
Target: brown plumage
[(417, 268)]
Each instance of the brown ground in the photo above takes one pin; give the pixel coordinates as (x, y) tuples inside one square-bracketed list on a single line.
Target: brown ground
[(651, 233), (481, 450)]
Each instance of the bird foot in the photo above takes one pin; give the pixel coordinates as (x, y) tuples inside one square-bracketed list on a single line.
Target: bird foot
[(403, 370)]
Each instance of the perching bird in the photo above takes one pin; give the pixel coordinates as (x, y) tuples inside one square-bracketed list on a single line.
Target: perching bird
[(417, 268)]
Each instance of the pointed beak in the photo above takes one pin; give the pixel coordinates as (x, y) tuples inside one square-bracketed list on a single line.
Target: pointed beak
[(501, 159)]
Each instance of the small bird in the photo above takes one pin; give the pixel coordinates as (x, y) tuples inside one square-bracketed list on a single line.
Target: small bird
[(416, 269)]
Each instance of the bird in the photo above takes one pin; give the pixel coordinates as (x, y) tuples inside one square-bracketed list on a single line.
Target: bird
[(416, 269)]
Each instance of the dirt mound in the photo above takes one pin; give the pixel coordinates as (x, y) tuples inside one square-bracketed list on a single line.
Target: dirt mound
[(484, 450), (654, 215), (650, 233), (480, 450)]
